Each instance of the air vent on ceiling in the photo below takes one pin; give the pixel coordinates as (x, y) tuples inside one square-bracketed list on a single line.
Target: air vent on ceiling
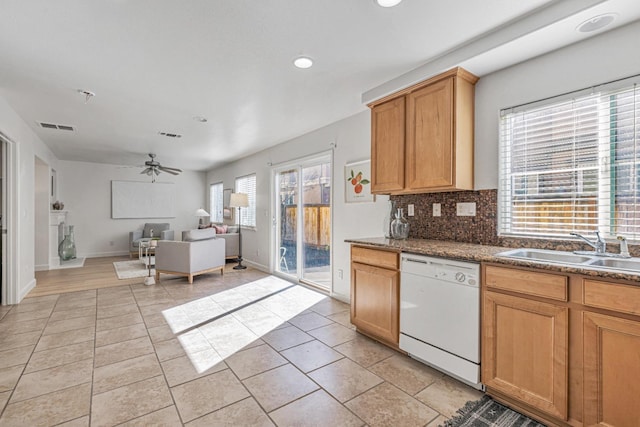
[(54, 126), (170, 135)]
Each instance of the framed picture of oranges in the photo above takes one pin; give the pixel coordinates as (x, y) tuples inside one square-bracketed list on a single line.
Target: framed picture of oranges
[(357, 187)]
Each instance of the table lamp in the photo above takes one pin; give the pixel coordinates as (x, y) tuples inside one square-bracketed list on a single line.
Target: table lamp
[(202, 214)]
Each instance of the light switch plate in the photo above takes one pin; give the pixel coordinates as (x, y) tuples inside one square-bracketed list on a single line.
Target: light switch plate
[(410, 210), (437, 209), (466, 209)]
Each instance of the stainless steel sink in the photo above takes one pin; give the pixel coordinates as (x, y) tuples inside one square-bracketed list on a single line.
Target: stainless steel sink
[(546, 256), (617, 263), (585, 260)]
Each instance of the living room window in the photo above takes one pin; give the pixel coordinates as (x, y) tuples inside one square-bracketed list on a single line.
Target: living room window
[(216, 201), (572, 165), (247, 184)]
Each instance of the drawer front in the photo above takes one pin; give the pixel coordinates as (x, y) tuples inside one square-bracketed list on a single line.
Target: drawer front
[(379, 258), (610, 296), (545, 285)]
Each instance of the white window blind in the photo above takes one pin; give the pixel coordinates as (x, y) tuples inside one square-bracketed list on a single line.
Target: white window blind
[(216, 202), (572, 166), (247, 185)]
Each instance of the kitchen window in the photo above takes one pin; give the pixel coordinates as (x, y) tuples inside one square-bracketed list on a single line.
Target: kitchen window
[(572, 165), (247, 185)]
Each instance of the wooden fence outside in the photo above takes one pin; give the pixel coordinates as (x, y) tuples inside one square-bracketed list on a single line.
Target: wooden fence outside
[(316, 228)]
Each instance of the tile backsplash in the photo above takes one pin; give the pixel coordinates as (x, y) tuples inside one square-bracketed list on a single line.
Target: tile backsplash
[(481, 228)]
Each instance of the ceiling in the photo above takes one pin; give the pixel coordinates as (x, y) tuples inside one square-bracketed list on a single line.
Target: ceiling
[(154, 65)]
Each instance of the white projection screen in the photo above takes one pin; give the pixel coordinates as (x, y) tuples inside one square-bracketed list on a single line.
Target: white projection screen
[(131, 199)]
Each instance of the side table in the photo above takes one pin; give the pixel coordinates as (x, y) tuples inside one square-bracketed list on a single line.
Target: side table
[(148, 259)]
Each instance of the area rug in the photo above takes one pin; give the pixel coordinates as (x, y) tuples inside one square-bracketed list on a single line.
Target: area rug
[(486, 412), (131, 269)]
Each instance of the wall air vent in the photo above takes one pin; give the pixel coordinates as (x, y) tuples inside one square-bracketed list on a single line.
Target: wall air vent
[(170, 135), (54, 126)]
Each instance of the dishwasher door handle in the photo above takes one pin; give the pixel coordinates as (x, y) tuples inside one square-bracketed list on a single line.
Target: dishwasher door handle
[(421, 261)]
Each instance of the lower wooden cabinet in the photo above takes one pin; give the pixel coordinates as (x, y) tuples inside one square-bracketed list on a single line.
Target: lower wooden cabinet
[(375, 294), (611, 371), (525, 351), (563, 348)]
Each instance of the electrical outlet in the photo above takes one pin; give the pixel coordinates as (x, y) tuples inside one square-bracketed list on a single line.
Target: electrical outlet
[(410, 211), (437, 209), (466, 209), (340, 274)]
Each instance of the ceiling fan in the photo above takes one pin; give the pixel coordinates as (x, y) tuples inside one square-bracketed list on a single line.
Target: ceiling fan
[(153, 168)]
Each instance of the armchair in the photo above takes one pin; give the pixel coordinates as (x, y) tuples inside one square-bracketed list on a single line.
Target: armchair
[(160, 229), (189, 258)]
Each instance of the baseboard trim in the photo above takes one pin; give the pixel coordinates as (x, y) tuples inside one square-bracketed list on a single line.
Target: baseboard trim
[(42, 267), (257, 266), (340, 297), (24, 291), (104, 254)]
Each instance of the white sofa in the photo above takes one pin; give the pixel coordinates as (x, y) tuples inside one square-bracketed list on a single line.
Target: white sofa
[(231, 238), (190, 258)]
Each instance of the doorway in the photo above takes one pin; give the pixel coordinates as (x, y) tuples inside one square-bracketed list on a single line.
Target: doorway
[(9, 243), (302, 220), (3, 219)]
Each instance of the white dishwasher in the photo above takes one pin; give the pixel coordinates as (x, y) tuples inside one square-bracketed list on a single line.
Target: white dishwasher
[(440, 314)]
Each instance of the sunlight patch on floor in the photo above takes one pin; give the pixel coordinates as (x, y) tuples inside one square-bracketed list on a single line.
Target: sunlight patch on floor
[(212, 328)]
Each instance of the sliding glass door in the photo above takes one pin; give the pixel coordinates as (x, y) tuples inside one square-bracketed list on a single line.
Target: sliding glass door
[(302, 220)]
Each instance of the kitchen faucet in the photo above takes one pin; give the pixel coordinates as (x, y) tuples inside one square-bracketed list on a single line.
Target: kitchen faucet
[(600, 245)]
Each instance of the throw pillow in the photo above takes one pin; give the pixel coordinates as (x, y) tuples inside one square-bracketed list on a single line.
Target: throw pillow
[(220, 229)]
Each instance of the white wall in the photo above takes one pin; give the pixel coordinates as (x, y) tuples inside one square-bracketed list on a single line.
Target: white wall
[(41, 214), (600, 59), (85, 190), (28, 145), (353, 140)]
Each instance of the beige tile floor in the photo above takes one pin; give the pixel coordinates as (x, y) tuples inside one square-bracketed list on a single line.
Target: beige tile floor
[(243, 349)]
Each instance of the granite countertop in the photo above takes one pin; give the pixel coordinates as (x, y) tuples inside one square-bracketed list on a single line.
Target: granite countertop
[(483, 253)]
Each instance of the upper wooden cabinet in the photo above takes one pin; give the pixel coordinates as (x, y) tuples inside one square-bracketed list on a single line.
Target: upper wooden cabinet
[(387, 129), (422, 137)]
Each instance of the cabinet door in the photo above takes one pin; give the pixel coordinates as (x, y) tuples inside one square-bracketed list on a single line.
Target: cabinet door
[(387, 146), (375, 300), (524, 351), (611, 371), (430, 142)]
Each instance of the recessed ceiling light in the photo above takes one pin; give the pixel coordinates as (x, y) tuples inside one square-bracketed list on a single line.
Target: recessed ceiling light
[(303, 62), (596, 23), (200, 119), (388, 3)]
